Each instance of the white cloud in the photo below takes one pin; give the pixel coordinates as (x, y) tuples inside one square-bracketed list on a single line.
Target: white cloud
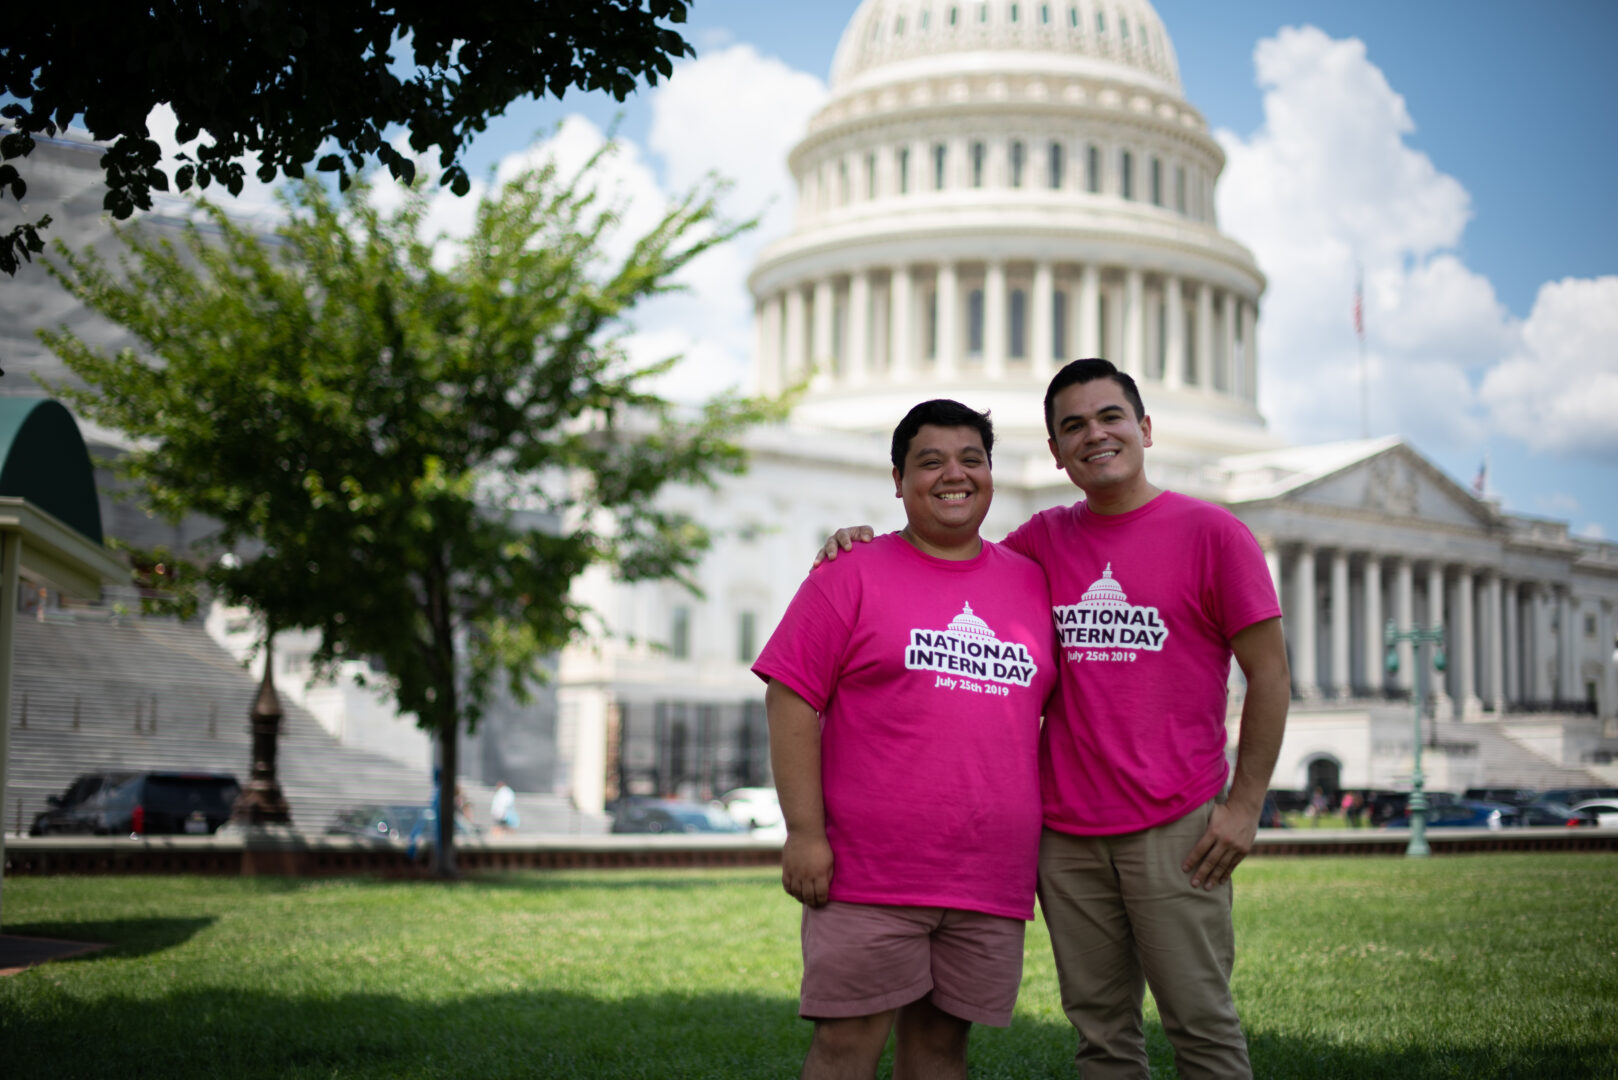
[(256, 202), (1559, 390), (1329, 184)]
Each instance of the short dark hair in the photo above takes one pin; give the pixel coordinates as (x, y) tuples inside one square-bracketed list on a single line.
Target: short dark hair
[(1083, 371), (940, 412)]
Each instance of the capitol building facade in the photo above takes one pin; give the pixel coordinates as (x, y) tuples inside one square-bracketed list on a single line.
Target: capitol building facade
[(994, 188)]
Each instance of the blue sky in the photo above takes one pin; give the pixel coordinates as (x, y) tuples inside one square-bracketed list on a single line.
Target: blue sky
[(1509, 130)]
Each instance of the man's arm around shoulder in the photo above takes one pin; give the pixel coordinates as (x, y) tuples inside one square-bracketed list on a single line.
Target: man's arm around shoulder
[(1261, 653), (806, 858)]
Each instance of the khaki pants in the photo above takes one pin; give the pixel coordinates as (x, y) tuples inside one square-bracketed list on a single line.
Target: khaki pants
[(1122, 916)]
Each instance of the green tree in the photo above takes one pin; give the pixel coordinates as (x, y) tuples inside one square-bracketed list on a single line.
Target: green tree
[(296, 83), (415, 460)]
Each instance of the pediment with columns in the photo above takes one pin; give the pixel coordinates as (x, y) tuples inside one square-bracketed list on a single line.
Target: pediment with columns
[(1384, 478)]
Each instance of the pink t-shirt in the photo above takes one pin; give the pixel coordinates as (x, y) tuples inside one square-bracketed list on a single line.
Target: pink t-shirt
[(929, 676), (1145, 605)]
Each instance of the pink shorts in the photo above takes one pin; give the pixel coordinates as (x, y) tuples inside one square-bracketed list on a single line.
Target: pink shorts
[(863, 959)]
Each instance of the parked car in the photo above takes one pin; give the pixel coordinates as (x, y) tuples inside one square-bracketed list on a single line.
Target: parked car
[(1572, 796), (756, 808), (396, 823), (75, 810), (1511, 796), (1547, 814), (1464, 814), (1605, 811), (142, 804), (637, 815)]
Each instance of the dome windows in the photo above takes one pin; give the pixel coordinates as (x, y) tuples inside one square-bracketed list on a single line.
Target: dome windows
[(1017, 155), (1054, 160), (979, 156), (940, 159), (902, 163), (1092, 169), (1126, 174), (1157, 181)]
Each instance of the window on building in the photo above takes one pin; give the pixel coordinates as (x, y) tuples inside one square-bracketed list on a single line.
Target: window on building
[(1019, 324), (979, 153), (1101, 22), (974, 322), (939, 155), (983, 11), (1045, 14), (1162, 349), (1589, 626), (870, 176), (1123, 31), (1073, 16), (1057, 165), (747, 637), (952, 14), (1103, 331), (899, 27), (1058, 324), (932, 324), (842, 183), (1126, 174), (904, 170), (1190, 334), (1179, 188), (1092, 170), (1014, 13), (1157, 182), (680, 633), (1017, 153)]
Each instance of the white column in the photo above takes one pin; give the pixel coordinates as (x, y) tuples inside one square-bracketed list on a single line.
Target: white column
[(1491, 677), (1511, 651), (1604, 644), (994, 320), (1303, 629), (1272, 562), (772, 333), (949, 321), (1376, 649), (1438, 693), (1535, 639), (1566, 647), (1467, 703), (769, 376), (823, 350), (1205, 356), (901, 321), (1043, 309), (1174, 329), (1404, 614), (859, 327), (1089, 304), (1340, 681), (1134, 352), (796, 333)]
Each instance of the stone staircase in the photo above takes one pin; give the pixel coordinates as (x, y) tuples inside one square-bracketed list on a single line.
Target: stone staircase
[(93, 692), (1509, 762)]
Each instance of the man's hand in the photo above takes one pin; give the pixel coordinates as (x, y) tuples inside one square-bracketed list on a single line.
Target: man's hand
[(806, 868), (843, 540), (1228, 840)]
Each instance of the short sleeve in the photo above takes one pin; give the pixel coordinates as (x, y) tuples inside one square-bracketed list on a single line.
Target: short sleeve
[(1243, 592), (806, 650)]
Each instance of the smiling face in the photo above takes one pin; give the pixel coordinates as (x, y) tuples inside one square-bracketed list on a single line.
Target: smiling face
[(946, 487), (1102, 445)]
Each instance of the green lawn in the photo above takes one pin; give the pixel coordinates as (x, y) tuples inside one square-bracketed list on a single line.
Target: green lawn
[(1478, 966)]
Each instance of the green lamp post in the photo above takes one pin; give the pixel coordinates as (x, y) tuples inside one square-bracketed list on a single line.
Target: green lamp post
[(1392, 637)]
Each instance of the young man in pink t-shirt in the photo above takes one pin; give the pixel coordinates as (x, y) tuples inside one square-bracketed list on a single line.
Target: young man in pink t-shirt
[(1152, 594), (905, 691)]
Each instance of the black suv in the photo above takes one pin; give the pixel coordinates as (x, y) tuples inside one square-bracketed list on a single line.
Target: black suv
[(141, 804)]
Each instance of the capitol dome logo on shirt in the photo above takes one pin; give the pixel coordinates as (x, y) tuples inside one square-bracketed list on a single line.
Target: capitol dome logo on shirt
[(1106, 618), (970, 648)]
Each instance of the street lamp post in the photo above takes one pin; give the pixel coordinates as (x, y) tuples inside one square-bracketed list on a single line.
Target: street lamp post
[(1392, 637)]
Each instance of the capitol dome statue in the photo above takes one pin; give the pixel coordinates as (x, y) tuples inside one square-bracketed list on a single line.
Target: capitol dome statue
[(992, 189)]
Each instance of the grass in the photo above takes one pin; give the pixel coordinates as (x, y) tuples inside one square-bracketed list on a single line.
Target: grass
[(1478, 966)]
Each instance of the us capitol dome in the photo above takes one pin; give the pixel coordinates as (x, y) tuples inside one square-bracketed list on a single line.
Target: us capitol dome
[(992, 189)]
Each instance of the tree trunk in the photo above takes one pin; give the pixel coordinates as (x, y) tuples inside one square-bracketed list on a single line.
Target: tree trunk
[(448, 768)]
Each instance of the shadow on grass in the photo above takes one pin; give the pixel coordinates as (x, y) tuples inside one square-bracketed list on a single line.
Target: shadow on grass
[(245, 1033), (129, 937)]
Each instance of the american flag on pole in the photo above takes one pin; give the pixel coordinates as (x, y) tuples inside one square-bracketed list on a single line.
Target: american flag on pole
[(1481, 481)]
